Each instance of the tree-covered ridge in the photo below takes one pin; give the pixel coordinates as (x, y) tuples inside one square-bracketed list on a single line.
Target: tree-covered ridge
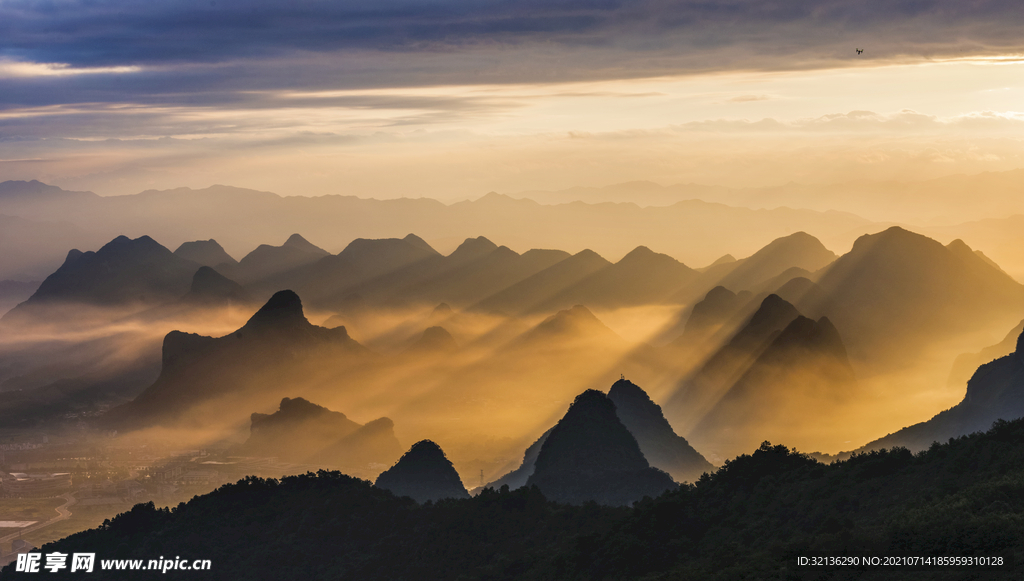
[(750, 519)]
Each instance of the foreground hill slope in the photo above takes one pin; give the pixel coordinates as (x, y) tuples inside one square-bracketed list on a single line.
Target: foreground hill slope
[(751, 519)]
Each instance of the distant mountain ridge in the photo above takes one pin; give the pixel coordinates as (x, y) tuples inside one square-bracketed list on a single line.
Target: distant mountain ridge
[(687, 231)]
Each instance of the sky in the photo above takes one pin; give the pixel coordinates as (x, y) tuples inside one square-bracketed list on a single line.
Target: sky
[(457, 98)]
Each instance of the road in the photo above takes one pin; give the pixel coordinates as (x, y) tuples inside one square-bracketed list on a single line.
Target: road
[(62, 514)]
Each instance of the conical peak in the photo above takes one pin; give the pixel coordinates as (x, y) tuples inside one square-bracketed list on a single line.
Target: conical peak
[(206, 278), (425, 449), (282, 310), (772, 305), (719, 293), (419, 243), (626, 389), (299, 243)]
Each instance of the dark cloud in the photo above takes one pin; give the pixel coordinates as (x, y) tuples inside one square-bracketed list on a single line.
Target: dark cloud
[(226, 52), (105, 33)]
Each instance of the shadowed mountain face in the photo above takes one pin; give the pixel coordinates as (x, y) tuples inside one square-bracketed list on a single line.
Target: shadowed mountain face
[(123, 272), (267, 260), (994, 392), (533, 292), (709, 318), (801, 378), (778, 363), (303, 432), (434, 340), (659, 443), (591, 455), (517, 478), (571, 324), (211, 287), (423, 473), (252, 364), (205, 252), (897, 290), (967, 363), (799, 250), (793, 255), (365, 268), (642, 277)]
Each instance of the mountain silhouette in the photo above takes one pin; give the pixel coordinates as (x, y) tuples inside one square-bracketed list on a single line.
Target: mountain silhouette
[(661, 446), (206, 253), (124, 272), (897, 290), (642, 277), (423, 473), (796, 251), (804, 367), (566, 328), (699, 392), (532, 292), (251, 365), (709, 317), (371, 269), (267, 260), (591, 455), (211, 287), (303, 432), (434, 340), (473, 272)]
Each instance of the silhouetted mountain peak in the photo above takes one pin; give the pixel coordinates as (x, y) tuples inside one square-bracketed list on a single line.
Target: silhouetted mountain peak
[(298, 409), (719, 295), (577, 321), (773, 308), (283, 310), (591, 455), (423, 473), (819, 336), (299, 243), (73, 255), (204, 252), (661, 446), (588, 256), (434, 339), (726, 259), (140, 247), (207, 282), (590, 438), (472, 249), (419, 243)]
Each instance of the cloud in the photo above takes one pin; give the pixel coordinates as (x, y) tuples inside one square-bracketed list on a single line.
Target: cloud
[(901, 123), (459, 39)]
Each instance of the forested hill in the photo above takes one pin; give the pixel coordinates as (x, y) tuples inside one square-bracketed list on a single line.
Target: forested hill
[(751, 519)]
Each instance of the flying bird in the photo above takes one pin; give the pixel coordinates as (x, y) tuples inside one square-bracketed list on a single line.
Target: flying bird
[(859, 50)]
